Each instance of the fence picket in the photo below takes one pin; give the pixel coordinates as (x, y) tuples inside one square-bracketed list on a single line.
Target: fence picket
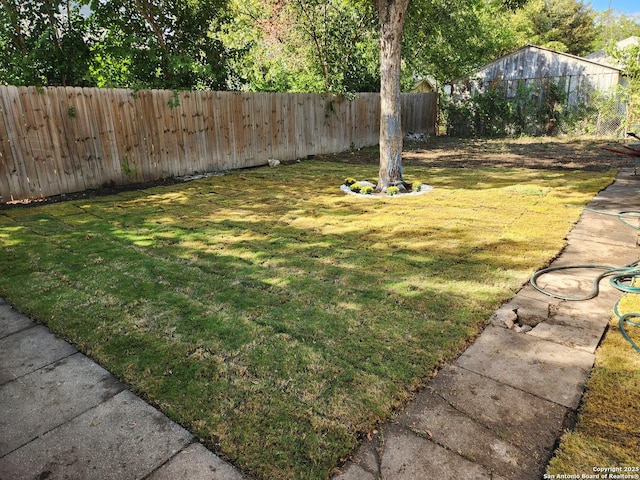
[(11, 167), (68, 139), (36, 131), (30, 186), (50, 133)]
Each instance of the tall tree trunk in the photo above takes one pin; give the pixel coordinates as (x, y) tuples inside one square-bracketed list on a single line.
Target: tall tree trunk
[(391, 14), (147, 9), (17, 36)]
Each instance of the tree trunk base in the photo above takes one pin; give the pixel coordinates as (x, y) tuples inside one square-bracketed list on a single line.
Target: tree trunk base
[(403, 186)]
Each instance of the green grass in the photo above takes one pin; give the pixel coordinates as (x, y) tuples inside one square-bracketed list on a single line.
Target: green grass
[(271, 314)]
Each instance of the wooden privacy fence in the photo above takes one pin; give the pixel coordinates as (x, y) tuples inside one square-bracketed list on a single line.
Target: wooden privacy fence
[(62, 140)]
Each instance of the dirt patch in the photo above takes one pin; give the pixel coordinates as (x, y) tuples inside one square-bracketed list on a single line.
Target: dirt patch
[(562, 153), (98, 192)]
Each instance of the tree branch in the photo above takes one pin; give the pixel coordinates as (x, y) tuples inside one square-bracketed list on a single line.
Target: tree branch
[(14, 17)]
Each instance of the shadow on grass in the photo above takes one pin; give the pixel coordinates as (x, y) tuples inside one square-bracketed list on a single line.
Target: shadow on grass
[(274, 316)]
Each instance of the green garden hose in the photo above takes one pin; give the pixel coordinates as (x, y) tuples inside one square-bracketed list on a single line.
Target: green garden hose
[(622, 278)]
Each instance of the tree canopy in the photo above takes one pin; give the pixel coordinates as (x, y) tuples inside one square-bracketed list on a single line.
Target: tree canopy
[(563, 25), (447, 39), (43, 43), (278, 45), (124, 43), (613, 26), (301, 45), (156, 43)]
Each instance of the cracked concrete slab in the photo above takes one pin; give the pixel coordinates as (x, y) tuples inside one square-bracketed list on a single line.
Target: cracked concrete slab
[(581, 338), (516, 416), (123, 437), (530, 311), (354, 471), (593, 314), (365, 461), (407, 456), (548, 370), (430, 416)]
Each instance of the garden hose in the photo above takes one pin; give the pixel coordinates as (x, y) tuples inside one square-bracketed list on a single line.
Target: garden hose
[(622, 278)]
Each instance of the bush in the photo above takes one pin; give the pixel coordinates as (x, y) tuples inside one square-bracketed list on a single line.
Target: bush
[(349, 181), (356, 187), (534, 109), (366, 190), (416, 186), (393, 190)]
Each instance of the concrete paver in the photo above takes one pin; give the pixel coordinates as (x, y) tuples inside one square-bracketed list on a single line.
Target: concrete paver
[(196, 463), (592, 251), (409, 457), (607, 229), (365, 460), (121, 438), (432, 417), (546, 369), (581, 338), (63, 416), (520, 418), (57, 393), (12, 321), (354, 471), (531, 311), (573, 283), (587, 314), (28, 350)]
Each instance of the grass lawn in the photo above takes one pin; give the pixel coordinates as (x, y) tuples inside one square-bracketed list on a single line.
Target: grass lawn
[(271, 314)]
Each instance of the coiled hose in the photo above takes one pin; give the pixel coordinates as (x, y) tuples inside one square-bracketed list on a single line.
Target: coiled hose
[(622, 278)]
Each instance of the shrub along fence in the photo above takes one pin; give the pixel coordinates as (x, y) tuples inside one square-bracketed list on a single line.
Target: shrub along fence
[(65, 139), (539, 106)]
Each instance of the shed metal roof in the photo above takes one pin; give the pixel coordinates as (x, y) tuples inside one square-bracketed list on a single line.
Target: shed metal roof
[(568, 56)]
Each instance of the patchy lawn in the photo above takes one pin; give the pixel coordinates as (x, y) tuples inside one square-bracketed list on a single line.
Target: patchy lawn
[(271, 314)]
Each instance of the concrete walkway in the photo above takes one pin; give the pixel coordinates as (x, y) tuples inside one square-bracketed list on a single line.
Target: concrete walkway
[(496, 412), (64, 417)]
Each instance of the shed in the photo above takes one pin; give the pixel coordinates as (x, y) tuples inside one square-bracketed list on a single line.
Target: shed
[(532, 64), (424, 85)]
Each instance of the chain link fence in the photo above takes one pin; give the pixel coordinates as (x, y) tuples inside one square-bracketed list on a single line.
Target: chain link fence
[(540, 106)]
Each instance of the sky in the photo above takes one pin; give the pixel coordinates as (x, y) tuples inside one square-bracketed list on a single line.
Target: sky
[(629, 7)]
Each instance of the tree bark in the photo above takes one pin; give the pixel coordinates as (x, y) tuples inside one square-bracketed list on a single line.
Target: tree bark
[(16, 22), (391, 14), (146, 10)]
